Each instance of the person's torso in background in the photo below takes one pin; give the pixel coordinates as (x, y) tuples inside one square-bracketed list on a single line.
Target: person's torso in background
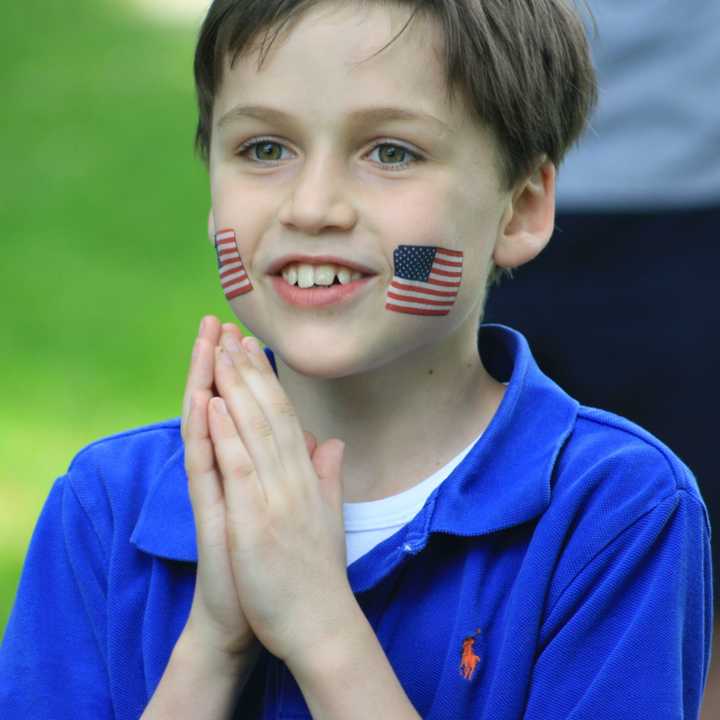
[(654, 140)]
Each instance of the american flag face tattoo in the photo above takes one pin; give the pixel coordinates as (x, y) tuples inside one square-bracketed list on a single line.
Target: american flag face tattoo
[(233, 277), (426, 280)]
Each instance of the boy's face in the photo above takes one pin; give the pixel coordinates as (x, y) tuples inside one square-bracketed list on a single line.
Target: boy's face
[(324, 180)]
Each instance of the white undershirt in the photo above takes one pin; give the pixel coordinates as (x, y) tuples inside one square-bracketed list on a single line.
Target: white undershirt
[(369, 523)]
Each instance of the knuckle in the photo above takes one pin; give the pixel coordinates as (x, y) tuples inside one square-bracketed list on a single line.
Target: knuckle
[(192, 467), (199, 458), (241, 468), (262, 428), (233, 536), (283, 407)]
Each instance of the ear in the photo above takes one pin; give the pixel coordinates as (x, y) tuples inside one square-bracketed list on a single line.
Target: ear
[(529, 219), (211, 227)]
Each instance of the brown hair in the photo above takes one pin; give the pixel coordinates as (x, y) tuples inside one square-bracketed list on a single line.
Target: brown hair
[(523, 67)]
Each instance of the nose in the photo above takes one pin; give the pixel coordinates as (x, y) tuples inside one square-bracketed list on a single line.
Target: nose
[(318, 199)]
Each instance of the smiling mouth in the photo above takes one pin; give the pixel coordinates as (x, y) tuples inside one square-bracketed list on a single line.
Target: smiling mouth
[(318, 295), (306, 276)]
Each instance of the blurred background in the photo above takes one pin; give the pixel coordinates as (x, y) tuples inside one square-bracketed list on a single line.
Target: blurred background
[(107, 269), (106, 266)]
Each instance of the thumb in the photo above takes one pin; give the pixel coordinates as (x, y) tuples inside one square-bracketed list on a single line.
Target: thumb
[(327, 461)]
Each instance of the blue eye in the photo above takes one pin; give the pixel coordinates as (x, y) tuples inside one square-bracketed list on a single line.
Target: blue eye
[(392, 156)]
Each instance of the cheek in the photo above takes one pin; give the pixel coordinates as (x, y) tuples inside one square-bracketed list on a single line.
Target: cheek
[(241, 211), (239, 205), (428, 257), (416, 219)]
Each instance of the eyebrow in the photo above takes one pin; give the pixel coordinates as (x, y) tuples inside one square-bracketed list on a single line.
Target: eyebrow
[(363, 116)]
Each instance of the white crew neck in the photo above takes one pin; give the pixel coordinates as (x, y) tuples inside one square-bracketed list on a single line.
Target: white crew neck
[(396, 510)]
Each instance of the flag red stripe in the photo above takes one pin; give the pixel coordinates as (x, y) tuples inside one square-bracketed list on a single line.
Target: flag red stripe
[(449, 263), (233, 271), (427, 291), (454, 253), (239, 291), (235, 281), (229, 282), (442, 283), (445, 273), (423, 301), (413, 311), (232, 265), (229, 287)]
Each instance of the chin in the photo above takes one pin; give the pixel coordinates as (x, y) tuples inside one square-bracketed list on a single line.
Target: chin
[(318, 363), (330, 357)]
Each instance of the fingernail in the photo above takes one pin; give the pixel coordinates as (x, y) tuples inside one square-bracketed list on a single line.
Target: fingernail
[(251, 344), (225, 358), (220, 406), (202, 325), (230, 343)]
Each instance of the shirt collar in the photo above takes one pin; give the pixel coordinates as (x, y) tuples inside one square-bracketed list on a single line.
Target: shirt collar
[(505, 478), (166, 526)]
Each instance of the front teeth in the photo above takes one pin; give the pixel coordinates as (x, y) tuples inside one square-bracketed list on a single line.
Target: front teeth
[(345, 276), (305, 276)]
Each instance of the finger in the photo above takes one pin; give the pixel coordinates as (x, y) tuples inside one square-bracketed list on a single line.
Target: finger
[(210, 329), (250, 421), (243, 491), (327, 461), (200, 374), (204, 484), (232, 328), (276, 404), (214, 573), (256, 372), (260, 361)]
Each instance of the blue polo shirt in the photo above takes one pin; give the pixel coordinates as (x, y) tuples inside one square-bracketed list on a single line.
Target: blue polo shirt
[(561, 571)]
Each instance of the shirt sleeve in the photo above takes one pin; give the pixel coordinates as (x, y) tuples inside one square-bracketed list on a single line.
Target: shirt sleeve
[(52, 660), (630, 634)]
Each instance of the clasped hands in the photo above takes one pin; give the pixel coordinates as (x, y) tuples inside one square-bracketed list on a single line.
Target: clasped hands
[(267, 503)]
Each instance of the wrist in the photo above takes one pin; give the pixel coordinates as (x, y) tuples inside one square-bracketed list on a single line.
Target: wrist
[(346, 634), (199, 682), (322, 673), (196, 646)]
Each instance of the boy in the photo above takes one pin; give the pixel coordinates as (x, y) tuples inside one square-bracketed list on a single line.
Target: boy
[(469, 542)]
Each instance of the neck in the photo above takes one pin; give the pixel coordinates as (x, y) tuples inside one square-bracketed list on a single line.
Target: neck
[(402, 421)]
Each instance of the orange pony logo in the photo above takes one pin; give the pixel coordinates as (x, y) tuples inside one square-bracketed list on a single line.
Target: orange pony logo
[(469, 660)]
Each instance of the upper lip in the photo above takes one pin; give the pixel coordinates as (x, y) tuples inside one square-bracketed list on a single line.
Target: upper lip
[(277, 265)]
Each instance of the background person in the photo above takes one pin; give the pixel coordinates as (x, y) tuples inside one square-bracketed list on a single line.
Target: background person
[(629, 280)]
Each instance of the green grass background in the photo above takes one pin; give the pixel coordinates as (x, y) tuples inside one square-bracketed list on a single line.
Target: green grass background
[(106, 267)]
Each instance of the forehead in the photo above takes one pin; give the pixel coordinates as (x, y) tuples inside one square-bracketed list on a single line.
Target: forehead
[(337, 56)]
